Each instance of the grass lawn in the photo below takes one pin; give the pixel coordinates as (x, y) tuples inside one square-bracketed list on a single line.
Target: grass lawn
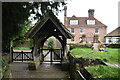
[(103, 72), (111, 56), (21, 48)]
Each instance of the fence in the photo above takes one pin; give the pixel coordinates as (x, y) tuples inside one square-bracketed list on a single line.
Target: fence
[(53, 55), (21, 56), (77, 70)]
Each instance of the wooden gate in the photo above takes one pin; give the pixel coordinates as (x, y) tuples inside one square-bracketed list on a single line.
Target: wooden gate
[(22, 56), (54, 55)]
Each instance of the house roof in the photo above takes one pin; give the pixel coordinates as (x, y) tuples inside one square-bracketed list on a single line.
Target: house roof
[(49, 25), (83, 21), (114, 33)]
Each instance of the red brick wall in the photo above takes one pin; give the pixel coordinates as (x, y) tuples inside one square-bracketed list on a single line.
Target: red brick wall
[(89, 34), (89, 30)]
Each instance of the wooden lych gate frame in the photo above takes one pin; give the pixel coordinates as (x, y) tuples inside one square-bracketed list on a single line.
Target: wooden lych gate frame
[(48, 26), (52, 52)]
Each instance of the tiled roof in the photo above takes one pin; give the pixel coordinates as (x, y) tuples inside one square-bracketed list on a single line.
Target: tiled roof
[(48, 16), (115, 33), (83, 21)]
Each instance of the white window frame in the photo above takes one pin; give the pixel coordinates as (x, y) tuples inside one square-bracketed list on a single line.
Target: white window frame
[(109, 40), (72, 31), (90, 22), (73, 22), (97, 30), (82, 30)]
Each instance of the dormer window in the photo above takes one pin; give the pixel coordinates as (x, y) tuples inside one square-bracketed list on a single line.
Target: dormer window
[(91, 22), (73, 22)]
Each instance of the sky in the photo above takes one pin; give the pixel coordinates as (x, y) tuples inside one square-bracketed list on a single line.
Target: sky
[(106, 11)]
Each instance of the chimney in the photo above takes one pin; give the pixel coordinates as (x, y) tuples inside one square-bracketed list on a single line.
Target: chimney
[(65, 11), (91, 13), (65, 15)]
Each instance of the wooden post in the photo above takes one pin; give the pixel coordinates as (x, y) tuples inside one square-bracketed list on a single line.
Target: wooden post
[(11, 52), (22, 55), (51, 56), (61, 55), (32, 53), (64, 47)]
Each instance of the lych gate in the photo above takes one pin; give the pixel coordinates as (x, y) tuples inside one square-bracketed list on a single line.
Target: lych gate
[(45, 28)]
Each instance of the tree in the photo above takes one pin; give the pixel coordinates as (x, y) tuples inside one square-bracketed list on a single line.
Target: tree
[(15, 14), (50, 43)]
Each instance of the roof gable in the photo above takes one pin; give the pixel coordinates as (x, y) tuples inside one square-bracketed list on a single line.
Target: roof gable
[(115, 33), (47, 25)]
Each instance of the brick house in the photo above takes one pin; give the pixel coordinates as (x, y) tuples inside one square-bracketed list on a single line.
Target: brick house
[(88, 26)]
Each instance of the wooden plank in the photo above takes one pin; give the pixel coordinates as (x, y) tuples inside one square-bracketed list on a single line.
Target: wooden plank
[(46, 54), (56, 54), (20, 56), (51, 57)]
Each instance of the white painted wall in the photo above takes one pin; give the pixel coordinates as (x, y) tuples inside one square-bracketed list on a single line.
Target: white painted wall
[(113, 39)]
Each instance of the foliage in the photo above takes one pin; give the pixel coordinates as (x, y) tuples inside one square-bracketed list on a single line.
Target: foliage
[(22, 48), (31, 43), (3, 65), (83, 36), (50, 43), (101, 46), (111, 56), (104, 72), (15, 18), (113, 45), (31, 65), (79, 45)]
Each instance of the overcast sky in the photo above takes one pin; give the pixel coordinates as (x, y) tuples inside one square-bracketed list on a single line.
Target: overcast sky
[(106, 11)]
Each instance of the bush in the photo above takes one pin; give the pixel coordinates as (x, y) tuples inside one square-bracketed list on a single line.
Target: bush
[(31, 65), (31, 43), (4, 69), (79, 45), (50, 43), (112, 45)]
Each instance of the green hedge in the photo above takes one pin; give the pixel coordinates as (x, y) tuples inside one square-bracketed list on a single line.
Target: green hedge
[(79, 45), (112, 45)]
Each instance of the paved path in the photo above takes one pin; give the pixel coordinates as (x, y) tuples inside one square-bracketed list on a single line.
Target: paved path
[(113, 65), (46, 70)]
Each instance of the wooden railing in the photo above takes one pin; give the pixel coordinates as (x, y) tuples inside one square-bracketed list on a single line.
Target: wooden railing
[(77, 70), (54, 54), (21, 56)]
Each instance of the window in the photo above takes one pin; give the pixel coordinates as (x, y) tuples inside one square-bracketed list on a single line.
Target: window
[(72, 30), (81, 30), (110, 40), (73, 22), (90, 22), (118, 40), (97, 30), (72, 39)]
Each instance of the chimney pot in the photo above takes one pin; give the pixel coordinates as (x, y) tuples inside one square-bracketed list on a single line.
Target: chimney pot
[(91, 12), (65, 11)]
